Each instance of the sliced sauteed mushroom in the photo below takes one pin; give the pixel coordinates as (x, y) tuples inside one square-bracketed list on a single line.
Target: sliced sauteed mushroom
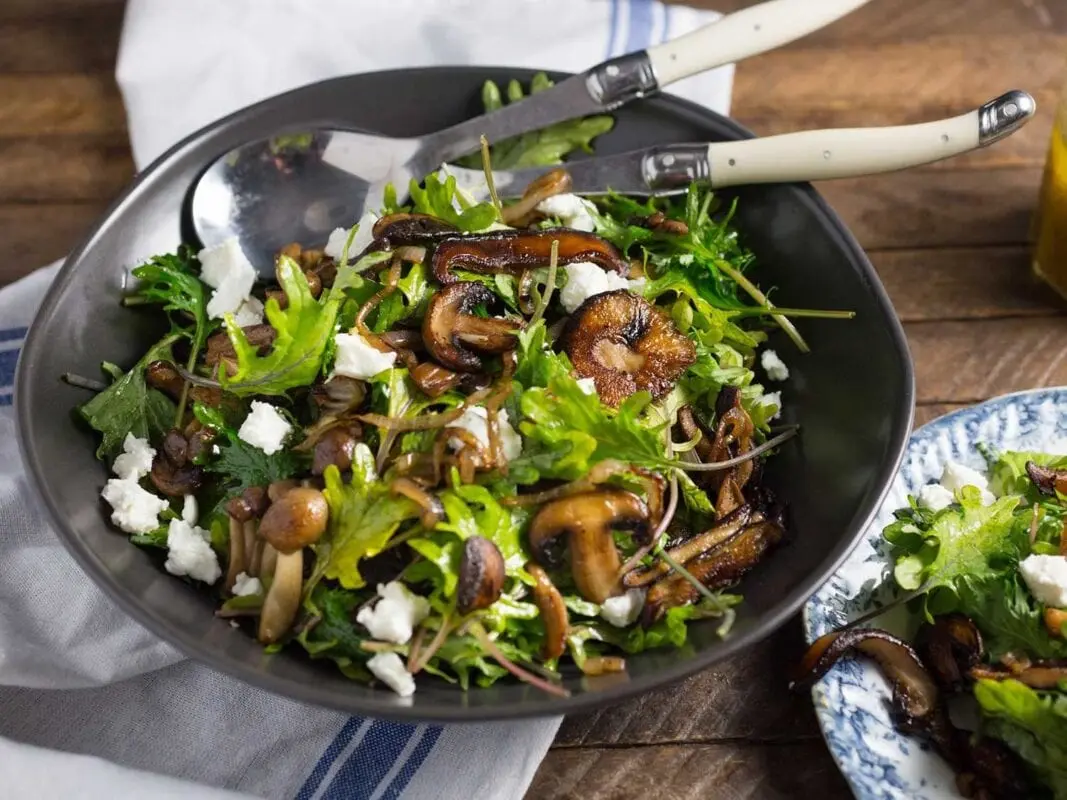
[(339, 394), (283, 598), (220, 349), (251, 504), (626, 345), (236, 560), (685, 551), (455, 336), (162, 375), (950, 647), (1041, 674), (517, 251), (553, 612), (588, 520), (335, 447), (717, 569), (657, 221), (178, 477), (917, 703), (433, 511), (1055, 619), (1047, 480), (434, 380), (733, 437), (295, 520), (557, 181), (481, 575), (400, 230)]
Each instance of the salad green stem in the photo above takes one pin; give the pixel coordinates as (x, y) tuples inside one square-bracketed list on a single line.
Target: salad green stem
[(761, 298), (80, 382), (487, 166), (523, 675), (550, 288), (715, 466), (778, 311), (726, 612)]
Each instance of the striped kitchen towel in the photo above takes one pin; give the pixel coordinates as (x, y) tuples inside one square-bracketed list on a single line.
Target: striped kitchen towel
[(94, 706)]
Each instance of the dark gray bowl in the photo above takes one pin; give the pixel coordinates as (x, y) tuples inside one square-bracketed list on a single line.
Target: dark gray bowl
[(853, 394)]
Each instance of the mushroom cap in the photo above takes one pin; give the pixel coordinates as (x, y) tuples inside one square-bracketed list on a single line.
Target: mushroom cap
[(626, 345), (588, 520), (517, 251), (296, 519), (481, 575), (455, 336)]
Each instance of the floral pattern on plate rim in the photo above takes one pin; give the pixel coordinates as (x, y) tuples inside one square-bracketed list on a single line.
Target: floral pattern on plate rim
[(851, 701)]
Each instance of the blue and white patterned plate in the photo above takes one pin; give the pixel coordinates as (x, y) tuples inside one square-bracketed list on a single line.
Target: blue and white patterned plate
[(851, 702)]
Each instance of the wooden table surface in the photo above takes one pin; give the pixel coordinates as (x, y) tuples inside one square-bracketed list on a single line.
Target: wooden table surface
[(949, 241)]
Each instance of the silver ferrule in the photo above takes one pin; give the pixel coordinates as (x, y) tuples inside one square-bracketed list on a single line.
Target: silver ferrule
[(1003, 116), (676, 166), (622, 79)]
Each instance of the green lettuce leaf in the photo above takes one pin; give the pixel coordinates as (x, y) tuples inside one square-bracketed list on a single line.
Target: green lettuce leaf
[(172, 280), (363, 517), (1009, 618), (439, 198), (540, 148), (964, 539), (1008, 473), (409, 303), (1033, 724), (304, 329), (128, 405)]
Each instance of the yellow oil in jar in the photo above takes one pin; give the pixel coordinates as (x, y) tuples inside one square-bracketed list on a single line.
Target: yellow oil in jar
[(1050, 249)]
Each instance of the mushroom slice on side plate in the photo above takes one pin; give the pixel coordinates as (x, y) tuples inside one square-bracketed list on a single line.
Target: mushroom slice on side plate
[(456, 336), (626, 345), (517, 251)]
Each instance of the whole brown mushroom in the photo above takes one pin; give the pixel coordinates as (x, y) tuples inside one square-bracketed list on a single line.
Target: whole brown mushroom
[(295, 520), (481, 575)]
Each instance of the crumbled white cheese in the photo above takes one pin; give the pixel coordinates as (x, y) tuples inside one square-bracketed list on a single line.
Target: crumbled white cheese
[(335, 247), (584, 280), (935, 497), (773, 399), (250, 312), (357, 358), (135, 461), (134, 509), (227, 270), (475, 420), (1046, 577), (394, 617), (637, 285), (570, 209), (390, 670), (623, 610), (264, 428), (587, 385), (956, 476), (245, 585), (774, 366), (190, 509), (685, 259), (189, 552)]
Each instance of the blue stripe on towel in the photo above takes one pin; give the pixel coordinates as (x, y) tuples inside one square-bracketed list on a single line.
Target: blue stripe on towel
[(613, 27), (639, 35), (369, 763), (413, 762), (8, 360), (9, 334), (339, 743)]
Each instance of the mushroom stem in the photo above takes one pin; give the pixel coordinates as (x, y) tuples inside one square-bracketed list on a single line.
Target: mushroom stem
[(283, 599), (236, 560)]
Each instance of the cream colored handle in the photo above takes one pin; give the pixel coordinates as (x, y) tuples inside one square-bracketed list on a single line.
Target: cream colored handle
[(744, 34), (844, 153)]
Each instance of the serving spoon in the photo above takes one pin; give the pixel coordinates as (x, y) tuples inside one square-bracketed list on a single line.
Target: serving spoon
[(267, 197), (803, 156)]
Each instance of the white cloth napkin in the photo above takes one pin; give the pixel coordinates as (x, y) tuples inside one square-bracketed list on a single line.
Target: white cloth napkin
[(94, 706)]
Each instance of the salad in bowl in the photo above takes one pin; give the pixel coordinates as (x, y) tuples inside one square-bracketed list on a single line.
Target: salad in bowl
[(459, 439)]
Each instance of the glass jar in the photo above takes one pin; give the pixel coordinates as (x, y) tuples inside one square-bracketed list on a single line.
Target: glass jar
[(1050, 224)]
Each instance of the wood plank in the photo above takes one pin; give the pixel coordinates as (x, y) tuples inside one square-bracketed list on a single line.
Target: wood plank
[(36, 235), (32, 10), (691, 772), (893, 20), (40, 105), (965, 362), (64, 168), (84, 40), (964, 283), (928, 413), (937, 208), (744, 698)]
